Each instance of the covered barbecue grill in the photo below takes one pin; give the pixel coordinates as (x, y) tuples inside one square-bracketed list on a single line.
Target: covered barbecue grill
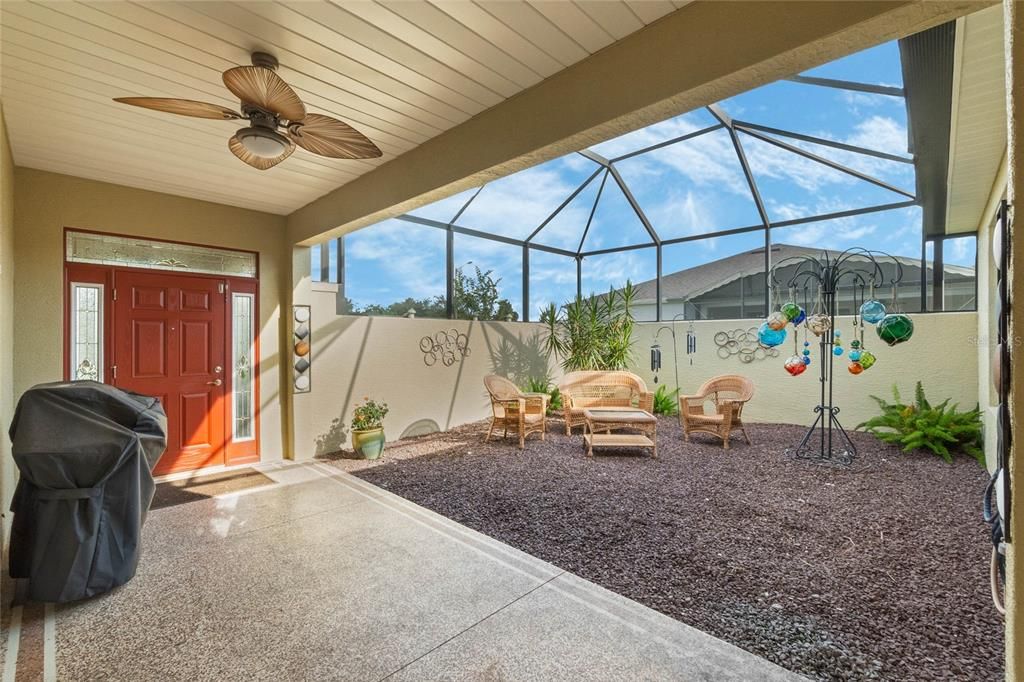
[(86, 452)]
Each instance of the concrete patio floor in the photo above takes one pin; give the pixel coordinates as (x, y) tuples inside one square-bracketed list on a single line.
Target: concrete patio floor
[(323, 576)]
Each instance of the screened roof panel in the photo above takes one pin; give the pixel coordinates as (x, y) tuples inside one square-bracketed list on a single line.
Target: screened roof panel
[(513, 206), (856, 118), (692, 187), (504, 261), (878, 65), (897, 233), (655, 134), (893, 172), (615, 222), (445, 209), (793, 186), (565, 230)]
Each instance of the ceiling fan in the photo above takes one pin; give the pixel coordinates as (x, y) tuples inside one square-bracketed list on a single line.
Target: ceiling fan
[(269, 104)]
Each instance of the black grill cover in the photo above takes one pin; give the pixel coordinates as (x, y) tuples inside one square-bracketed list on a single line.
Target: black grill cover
[(86, 452)]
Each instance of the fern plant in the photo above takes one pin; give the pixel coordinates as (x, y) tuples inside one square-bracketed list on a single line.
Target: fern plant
[(665, 401), (920, 425)]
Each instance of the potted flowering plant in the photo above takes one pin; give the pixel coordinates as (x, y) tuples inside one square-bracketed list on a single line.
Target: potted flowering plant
[(368, 428)]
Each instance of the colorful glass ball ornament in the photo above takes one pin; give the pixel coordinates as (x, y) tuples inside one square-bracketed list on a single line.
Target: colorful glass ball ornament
[(895, 328), (800, 317), (795, 365), (872, 311), (790, 310), (818, 324), (837, 347), (855, 368), (867, 358), (837, 351), (770, 337), (807, 359), (854, 355), (778, 320)]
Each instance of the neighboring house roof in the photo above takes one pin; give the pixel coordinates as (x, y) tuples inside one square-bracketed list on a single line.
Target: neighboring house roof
[(692, 282)]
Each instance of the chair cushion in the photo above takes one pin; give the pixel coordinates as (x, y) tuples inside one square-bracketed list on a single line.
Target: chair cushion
[(706, 418)]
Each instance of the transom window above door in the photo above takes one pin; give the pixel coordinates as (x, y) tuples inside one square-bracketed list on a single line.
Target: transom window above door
[(133, 252)]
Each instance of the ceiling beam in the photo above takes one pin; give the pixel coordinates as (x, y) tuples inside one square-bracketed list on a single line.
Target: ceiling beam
[(651, 75)]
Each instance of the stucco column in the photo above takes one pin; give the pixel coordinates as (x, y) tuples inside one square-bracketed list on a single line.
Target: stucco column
[(1014, 15)]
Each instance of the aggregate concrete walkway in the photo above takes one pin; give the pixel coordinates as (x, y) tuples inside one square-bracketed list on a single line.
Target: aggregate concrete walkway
[(321, 576)]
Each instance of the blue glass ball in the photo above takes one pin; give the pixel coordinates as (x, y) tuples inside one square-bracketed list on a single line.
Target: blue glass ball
[(837, 351), (838, 333), (806, 343), (872, 311), (770, 337), (854, 355), (807, 360), (800, 317), (806, 352)]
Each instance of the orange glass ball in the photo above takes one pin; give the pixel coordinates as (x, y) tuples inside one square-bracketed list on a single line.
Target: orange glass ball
[(855, 368)]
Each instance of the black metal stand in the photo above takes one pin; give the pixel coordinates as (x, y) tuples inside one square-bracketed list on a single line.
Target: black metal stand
[(826, 441)]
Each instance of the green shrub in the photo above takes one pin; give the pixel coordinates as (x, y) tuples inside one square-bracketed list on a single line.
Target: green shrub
[(921, 425), (544, 385), (665, 401)]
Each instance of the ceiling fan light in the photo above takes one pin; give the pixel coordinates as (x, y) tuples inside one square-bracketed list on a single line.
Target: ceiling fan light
[(266, 144)]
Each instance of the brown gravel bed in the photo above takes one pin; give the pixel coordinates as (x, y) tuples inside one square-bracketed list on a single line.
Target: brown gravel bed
[(878, 571)]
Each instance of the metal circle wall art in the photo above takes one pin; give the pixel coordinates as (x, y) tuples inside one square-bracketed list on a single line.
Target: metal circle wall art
[(301, 349), (446, 347), (743, 343)]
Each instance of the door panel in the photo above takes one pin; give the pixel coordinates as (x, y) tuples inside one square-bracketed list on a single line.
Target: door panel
[(169, 338)]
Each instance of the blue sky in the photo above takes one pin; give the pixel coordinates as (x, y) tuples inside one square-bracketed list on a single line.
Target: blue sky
[(688, 188)]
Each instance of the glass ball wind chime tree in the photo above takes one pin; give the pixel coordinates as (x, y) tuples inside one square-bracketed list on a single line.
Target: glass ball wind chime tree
[(820, 279)]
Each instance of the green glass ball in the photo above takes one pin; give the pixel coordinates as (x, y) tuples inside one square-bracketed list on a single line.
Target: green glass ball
[(790, 310), (867, 358), (895, 328)]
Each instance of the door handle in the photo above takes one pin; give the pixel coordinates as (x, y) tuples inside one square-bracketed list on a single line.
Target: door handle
[(215, 382)]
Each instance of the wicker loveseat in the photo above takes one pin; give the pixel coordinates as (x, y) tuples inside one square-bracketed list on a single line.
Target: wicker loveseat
[(582, 390)]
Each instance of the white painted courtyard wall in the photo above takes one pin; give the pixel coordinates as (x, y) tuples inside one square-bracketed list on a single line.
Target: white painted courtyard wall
[(380, 357), (943, 354)]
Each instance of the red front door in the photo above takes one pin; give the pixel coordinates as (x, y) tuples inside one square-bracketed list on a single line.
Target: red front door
[(169, 342)]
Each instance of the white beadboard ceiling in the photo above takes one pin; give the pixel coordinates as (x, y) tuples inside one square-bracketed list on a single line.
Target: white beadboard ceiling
[(978, 130), (400, 72)]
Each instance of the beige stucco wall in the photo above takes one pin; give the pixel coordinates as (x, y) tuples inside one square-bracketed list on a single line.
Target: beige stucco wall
[(46, 203), (942, 354), (7, 470), (380, 357)]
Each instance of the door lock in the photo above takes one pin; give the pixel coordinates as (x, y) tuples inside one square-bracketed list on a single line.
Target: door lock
[(215, 382), (218, 369)]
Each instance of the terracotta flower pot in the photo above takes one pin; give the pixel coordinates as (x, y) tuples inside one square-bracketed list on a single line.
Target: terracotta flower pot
[(368, 443)]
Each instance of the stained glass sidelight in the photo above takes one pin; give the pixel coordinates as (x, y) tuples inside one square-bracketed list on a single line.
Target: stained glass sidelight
[(87, 331), (242, 350)]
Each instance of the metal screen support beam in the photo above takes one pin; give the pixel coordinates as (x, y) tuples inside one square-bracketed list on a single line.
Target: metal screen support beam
[(563, 205), (887, 90), (747, 127), (526, 283), (579, 276), (938, 297), (482, 235), (593, 210), (633, 203), (718, 113), (325, 261), (449, 297), (340, 302), (657, 288)]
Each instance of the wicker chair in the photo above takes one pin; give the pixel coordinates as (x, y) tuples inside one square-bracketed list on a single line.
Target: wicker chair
[(512, 410), (582, 390), (729, 393)]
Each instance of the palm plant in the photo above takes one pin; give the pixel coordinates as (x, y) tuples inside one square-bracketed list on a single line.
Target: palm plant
[(594, 333)]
